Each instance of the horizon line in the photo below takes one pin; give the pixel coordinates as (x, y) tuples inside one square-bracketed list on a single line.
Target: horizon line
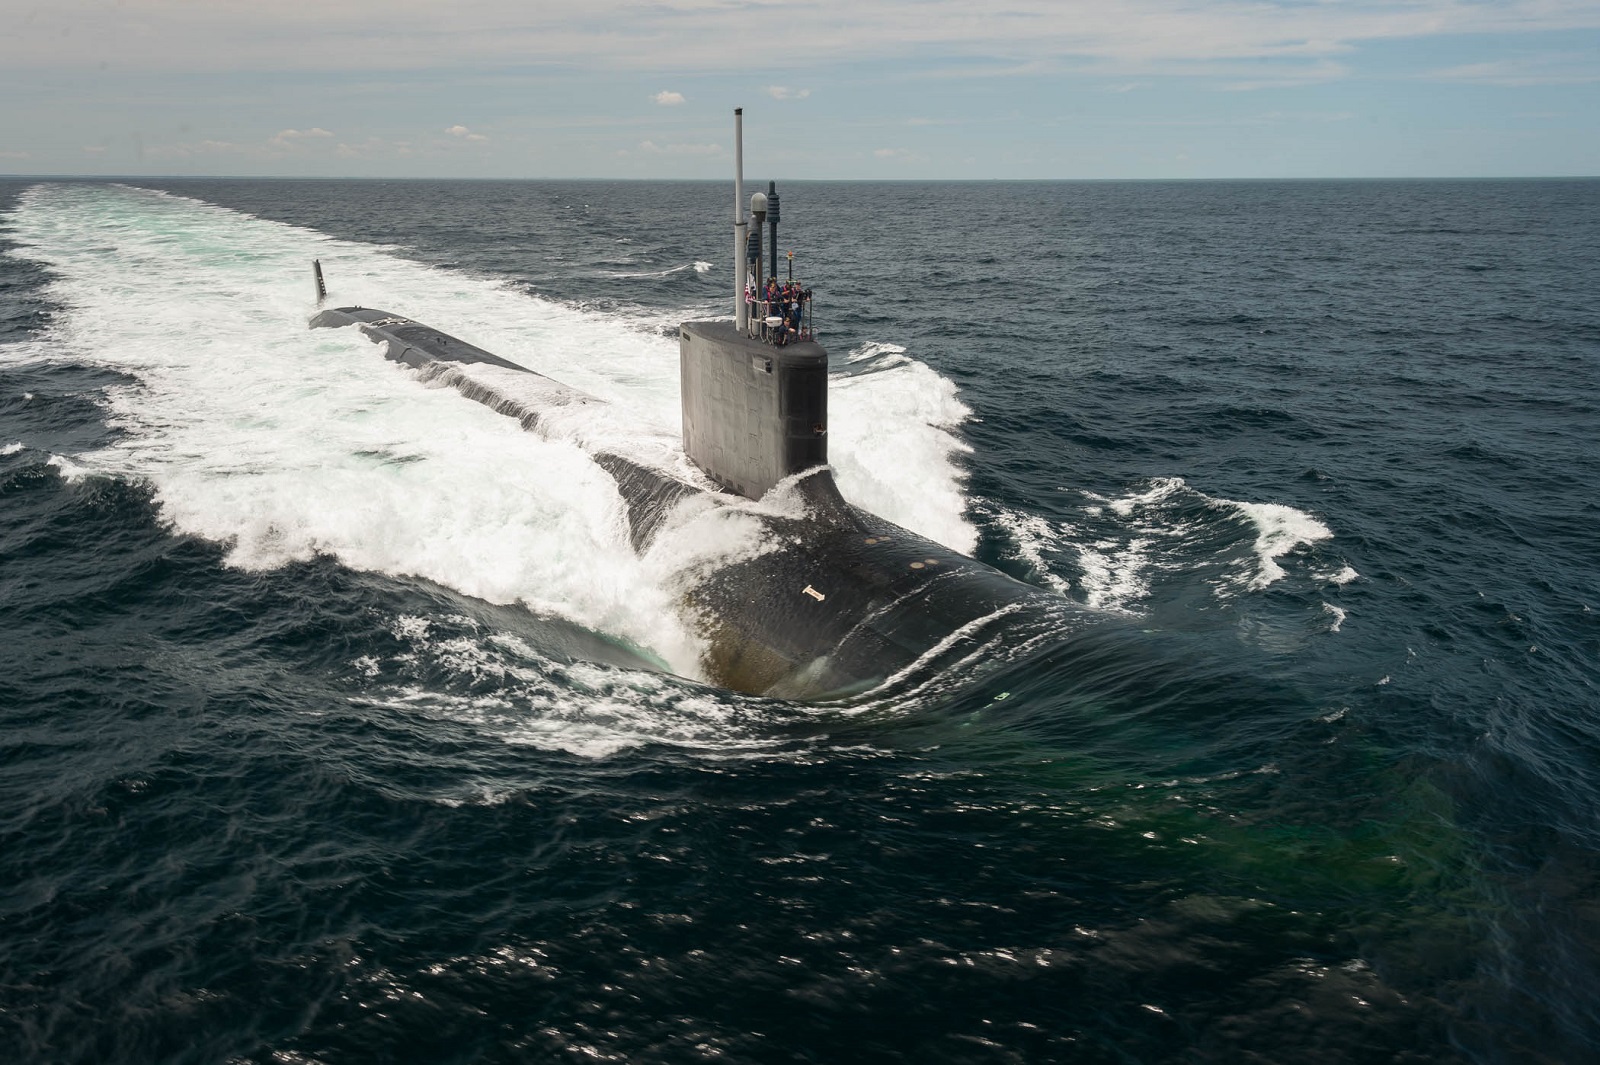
[(718, 180)]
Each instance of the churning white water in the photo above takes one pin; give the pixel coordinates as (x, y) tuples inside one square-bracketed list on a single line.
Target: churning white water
[(284, 442)]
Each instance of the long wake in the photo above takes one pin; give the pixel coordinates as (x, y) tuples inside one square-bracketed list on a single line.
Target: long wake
[(283, 442)]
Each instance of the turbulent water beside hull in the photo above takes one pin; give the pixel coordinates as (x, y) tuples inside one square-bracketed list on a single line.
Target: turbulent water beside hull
[(259, 437), (828, 600)]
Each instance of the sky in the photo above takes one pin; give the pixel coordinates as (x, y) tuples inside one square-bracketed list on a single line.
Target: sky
[(845, 89)]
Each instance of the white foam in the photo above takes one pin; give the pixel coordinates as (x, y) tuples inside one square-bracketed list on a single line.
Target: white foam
[(410, 627), (1279, 530), (1117, 567), (701, 536), (1161, 489), (890, 354), (12, 448), (1034, 537), (697, 266), (1338, 613), (70, 471), (569, 416), (894, 450), (589, 710), (284, 442), (1115, 573)]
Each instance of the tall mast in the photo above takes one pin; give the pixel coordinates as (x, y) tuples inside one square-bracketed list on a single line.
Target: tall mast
[(741, 310), (772, 221)]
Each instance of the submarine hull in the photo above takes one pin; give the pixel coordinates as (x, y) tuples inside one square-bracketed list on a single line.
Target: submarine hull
[(837, 600), (849, 601)]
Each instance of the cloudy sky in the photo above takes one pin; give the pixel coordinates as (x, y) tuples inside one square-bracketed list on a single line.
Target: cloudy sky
[(831, 88)]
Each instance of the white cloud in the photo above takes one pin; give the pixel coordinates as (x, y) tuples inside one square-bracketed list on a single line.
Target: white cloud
[(668, 99), (16, 155), (1133, 37), (779, 92), (1523, 70), (465, 134)]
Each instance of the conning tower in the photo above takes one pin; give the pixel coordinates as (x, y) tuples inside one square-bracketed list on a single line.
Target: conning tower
[(755, 390)]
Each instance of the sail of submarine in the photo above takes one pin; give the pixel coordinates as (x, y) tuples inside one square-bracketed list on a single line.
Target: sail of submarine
[(840, 599)]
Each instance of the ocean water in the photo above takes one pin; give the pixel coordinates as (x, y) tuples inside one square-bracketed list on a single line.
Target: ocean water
[(339, 721)]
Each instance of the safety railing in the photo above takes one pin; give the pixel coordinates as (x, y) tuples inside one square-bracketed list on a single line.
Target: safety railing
[(782, 322)]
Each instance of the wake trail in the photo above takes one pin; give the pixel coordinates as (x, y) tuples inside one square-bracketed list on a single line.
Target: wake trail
[(283, 442)]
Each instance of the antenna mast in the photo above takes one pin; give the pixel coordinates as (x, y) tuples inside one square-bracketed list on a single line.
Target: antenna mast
[(741, 310)]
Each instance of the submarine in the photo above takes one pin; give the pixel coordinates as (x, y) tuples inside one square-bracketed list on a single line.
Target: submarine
[(835, 600)]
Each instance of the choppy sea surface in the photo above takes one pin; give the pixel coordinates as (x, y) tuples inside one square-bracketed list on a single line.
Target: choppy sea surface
[(339, 720)]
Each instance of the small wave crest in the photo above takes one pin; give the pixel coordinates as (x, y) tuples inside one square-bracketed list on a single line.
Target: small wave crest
[(877, 355), (1120, 549), (1280, 529), (699, 266), (1111, 573), (1170, 508), (1344, 576)]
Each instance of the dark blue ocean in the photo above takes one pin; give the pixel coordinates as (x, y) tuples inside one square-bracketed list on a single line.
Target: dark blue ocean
[(340, 722)]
